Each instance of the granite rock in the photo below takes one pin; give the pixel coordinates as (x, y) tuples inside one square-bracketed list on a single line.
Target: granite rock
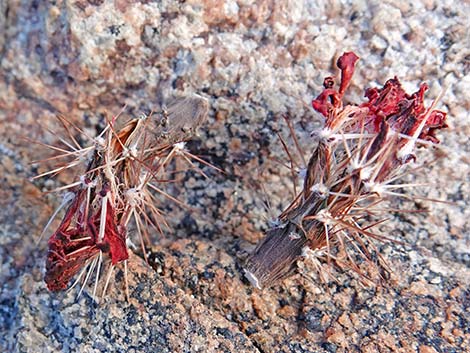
[(255, 61)]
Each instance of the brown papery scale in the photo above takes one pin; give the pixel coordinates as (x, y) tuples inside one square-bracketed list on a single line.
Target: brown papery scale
[(358, 155)]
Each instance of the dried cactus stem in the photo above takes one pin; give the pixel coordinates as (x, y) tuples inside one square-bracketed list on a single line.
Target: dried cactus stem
[(275, 257), (122, 166), (360, 153)]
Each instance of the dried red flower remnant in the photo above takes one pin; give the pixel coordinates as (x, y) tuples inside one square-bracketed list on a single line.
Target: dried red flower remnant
[(68, 249), (391, 104), (402, 112)]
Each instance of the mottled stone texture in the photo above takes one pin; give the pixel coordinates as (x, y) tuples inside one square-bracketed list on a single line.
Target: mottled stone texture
[(254, 60)]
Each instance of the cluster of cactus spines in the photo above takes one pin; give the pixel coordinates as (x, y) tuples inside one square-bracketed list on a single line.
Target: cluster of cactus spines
[(124, 170), (360, 153)]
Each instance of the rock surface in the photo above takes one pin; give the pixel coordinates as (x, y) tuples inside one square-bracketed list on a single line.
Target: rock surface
[(254, 61)]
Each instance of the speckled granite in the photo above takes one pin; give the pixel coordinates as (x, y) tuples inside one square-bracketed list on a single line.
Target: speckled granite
[(160, 317), (254, 61)]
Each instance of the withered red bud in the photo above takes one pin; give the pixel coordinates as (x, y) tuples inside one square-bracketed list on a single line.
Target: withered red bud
[(330, 98), (346, 63)]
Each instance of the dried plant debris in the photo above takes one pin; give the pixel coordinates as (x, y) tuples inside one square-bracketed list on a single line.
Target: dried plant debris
[(361, 152), (125, 171)]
